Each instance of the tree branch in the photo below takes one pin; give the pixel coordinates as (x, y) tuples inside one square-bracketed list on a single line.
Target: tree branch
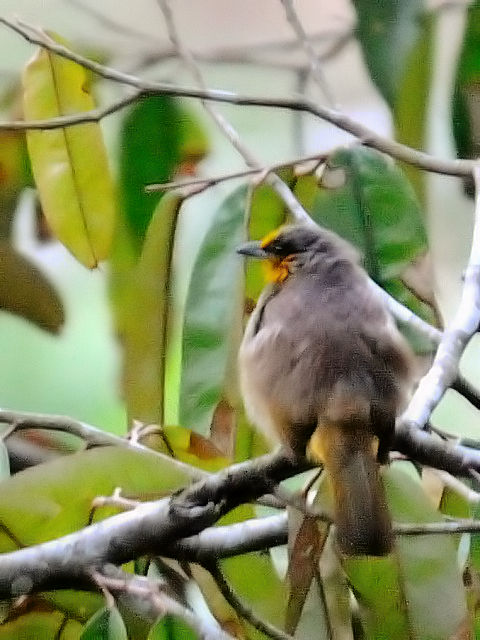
[(456, 336), (306, 44), (367, 136), (241, 608), (21, 420), (159, 602), (95, 115)]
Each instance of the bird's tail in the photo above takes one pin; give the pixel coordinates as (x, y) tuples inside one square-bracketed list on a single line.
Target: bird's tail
[(362, 520)]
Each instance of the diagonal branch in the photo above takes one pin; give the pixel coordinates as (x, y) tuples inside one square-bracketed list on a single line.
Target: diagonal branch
[(456, 336), (367, 136), (94, 115), (305, 42)]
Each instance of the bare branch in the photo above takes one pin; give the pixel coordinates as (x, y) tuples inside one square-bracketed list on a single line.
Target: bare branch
[(367, 136), (214, 180), (161, 603), (456, 336), (448, 527), (94, 436), (112, 25), (241, 608), (95, 115), (304, 40)]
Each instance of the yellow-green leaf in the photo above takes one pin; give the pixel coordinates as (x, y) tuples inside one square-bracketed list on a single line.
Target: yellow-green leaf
[(145, 318), (69, 165)]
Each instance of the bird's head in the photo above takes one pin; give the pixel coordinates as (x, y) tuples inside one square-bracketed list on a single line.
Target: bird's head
[(295, 247)]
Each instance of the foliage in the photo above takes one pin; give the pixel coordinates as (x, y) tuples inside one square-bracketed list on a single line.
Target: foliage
[(428, 587)]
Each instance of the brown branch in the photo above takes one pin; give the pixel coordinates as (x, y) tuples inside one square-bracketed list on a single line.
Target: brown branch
[(306, 44), (242, 173), (338, 119), (242, 609), (94, 115)]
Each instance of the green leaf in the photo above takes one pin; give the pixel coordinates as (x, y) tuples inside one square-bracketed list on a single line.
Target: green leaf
[(375, 208), (145, 317), (417, 592), (367, 200), (14, 175), (411, 99), (35, 300), (69, 165), (213, 314), (171, 628), (466, 95), (267, 213), (55, 498), (157, 135), (105, 624), (39, 625), (387, 31)]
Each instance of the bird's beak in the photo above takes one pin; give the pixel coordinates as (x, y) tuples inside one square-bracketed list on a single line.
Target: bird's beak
[(253, 249)]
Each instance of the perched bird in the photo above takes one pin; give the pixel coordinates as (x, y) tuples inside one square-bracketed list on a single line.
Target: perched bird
[(324, 369)]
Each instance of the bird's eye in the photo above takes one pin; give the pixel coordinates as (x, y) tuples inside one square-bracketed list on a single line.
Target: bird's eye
[(276, 248)]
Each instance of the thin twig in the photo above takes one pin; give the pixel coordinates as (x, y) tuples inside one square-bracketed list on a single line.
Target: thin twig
[(304, 40), (115, 26), (462, 386), (340, 120), (448, 527), (241, 608), (456, 485), (214, 180), (456, 336), (94, 115)]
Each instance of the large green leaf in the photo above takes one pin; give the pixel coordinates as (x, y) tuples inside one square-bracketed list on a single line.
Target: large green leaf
[(55, 498), (105, 624), (387, 30), (417, 592), (145, 315), (366, 199), (158, 135), (411, 99), (69, 165), (213, 314)]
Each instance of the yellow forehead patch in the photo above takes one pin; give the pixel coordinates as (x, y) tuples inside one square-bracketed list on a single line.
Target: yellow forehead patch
[(270, 237)]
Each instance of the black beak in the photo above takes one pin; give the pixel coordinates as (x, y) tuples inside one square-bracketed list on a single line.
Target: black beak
[(252, 249)]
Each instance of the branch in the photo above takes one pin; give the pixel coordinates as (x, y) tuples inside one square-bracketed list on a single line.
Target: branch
[(367, 136), (262, 172), (241, 608), (456, 336), (95, 115), (159, 603), (305, 42), (93, 436)]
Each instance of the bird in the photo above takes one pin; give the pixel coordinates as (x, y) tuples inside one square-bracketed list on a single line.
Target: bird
[(324, 370)]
